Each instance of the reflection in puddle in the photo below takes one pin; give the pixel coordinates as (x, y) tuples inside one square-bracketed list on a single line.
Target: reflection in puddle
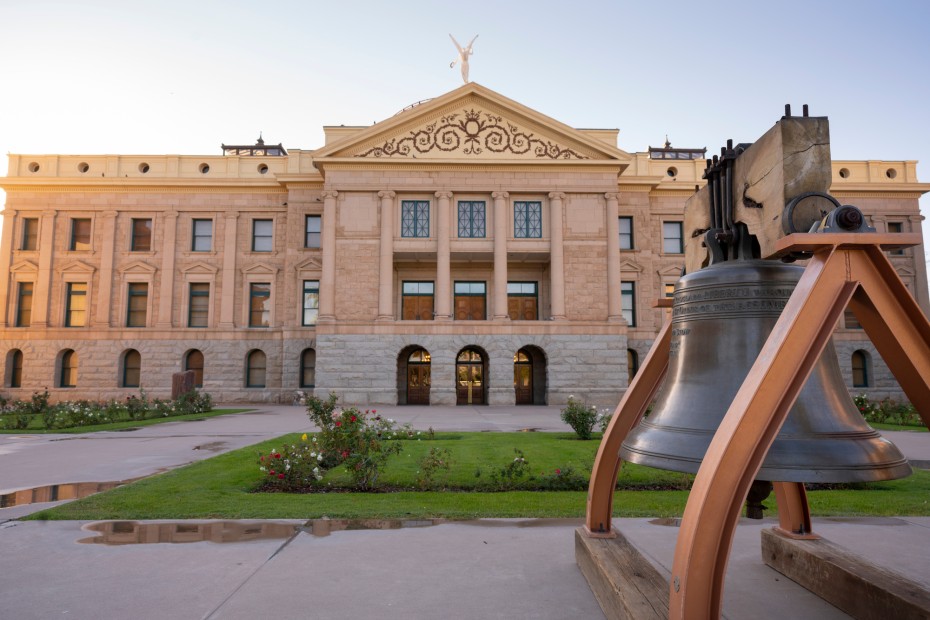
[(669, 521), (57, 492), (135, 533)]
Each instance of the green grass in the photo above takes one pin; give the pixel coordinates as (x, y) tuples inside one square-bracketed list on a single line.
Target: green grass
[(223, 487), (115, 426), (897, 427)]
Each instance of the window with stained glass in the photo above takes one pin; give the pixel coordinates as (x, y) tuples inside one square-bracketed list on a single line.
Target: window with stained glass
[(414, 218), (527, 220)]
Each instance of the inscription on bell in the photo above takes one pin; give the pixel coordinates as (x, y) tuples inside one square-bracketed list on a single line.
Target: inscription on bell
[(742, 301)]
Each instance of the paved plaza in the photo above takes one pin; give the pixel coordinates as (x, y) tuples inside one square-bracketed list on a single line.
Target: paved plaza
[(488, 568)]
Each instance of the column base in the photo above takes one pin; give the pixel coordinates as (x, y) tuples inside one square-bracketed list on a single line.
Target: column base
[(383, 318)]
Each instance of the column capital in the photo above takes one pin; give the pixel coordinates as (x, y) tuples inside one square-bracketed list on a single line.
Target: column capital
[(915, 218), (330, 193), (444, 194), (612, 196), (387, 194), (110, 213), (172, 214), (557, 195), (497, 195), (50, 213)]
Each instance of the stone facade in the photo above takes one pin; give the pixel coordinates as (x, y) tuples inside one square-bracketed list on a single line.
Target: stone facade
[(535, 248)]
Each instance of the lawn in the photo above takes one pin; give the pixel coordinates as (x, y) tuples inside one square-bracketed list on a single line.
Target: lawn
[(224, 487), (36, 427)]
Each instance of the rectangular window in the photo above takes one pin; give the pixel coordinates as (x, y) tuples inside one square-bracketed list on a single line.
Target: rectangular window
[(202, 236), (198, 311), (522, 301), (76, 305), (141, 235), (626, 233), (24, 304), (896, 227), (527, 220), (628, 302), (30, 239), (417, 301), (672, 238), (260, 304), (80, 234), (470, 301), (262, 231), (471, 219), (414, 218), (311, 302), (670, 290), (138, 304), (313, 227)]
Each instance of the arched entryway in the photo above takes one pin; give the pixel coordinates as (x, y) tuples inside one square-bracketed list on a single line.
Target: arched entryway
[(529, 376), (413, 376), (471, 371)]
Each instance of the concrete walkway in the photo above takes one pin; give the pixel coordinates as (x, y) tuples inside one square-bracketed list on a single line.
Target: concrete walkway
[(483, 569)]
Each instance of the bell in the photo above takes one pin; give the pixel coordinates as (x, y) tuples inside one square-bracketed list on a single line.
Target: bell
[(721, 318)]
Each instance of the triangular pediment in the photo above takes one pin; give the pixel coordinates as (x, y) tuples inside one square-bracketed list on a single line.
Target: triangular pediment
[(139, 267), (671, 272), (905, 271), (311, 264), (629, 265), (24, 266), (260, 269), (472, 123), (200, 268), (77, 266)]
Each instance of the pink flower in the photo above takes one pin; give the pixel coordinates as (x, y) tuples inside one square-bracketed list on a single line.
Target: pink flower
[(338, 424), (558, 472), (374, 411)]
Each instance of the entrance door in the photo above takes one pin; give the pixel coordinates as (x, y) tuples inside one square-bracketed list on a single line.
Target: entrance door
[(469, 378), (418, 377), (523, 378)]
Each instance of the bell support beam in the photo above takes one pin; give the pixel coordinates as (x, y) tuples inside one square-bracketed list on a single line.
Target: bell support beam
[(794, 513), (746, 433), (627, 415)]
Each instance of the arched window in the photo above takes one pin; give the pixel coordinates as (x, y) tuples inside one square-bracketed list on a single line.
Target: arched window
[(16, 368), (308, 368), (255, 371), (632, 364), (132, 369), (861, 374), (69, 368), (194, 361)]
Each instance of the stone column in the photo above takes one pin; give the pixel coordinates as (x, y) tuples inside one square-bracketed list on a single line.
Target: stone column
[(500, 255), (10, 223), (556, 257), (44, 277), (228, 286), (386, 275), (104, 292), (443, 257), (328, 278), (920, 267), (166, 284), (614, 311)]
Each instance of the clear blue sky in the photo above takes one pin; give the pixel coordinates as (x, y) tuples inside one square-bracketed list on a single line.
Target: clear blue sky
[(182, 77)]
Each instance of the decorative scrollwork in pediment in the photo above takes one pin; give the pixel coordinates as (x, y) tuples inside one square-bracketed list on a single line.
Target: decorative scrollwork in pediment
[(471, 133)]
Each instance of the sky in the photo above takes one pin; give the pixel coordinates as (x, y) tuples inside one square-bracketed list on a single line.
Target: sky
[(171, 77)]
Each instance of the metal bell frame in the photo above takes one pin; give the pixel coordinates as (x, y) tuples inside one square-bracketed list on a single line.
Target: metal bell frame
[(845, 269)]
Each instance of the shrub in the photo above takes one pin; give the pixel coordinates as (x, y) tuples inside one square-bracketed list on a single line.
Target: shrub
[(293, 467), (580, 417), (561, 479), (887, 411), (434, 461), (509, 476)]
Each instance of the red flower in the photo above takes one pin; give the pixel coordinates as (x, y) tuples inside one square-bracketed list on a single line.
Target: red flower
[(281, 476), (271, 473), (277, 456), (558, 472), (338, 424), (261, 458), (353, 419), (374, 411), (345, 454)]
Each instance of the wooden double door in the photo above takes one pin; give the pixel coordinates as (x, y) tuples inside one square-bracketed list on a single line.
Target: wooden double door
[(418, 384), (470, 385)]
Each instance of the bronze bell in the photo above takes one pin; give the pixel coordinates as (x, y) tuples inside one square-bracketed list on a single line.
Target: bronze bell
[(721, 318)]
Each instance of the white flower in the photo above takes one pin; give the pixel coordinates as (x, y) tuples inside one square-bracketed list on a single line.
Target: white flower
[(319, 457)]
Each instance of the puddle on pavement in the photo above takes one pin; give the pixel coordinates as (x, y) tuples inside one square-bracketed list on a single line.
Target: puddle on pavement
[(213, 446), (528, 430), (667, 521), (57, 492), (136, 533)]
